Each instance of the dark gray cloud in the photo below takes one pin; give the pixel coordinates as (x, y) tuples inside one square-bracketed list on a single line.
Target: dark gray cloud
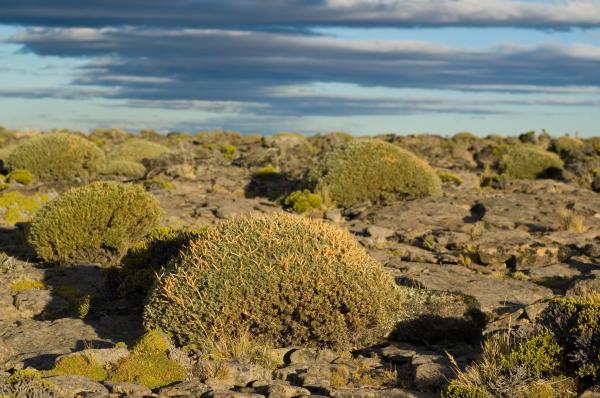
[(299, 14), (267, 67)]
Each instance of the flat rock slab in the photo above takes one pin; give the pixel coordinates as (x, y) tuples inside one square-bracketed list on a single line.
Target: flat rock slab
[(38, 343), (496, 296)]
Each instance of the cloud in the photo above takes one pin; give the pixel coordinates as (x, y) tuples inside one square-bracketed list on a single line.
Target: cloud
[(299, 14), (256, 66)]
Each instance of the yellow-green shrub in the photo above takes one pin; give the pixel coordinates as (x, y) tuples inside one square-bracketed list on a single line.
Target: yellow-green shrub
[(149, 364), (57, 157), (16, 207), (373, 170), (138, 149), (303, 201), (526, 161), (21, 176), (93, 224), (281, 278), (126, 168)]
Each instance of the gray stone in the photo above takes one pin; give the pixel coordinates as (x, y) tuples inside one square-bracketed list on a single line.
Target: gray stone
[(368, 392), (379, 234), (37, 302), (286, 391), (231, 394), (191, 388), (102, 356), (75, 385), (121, 387), (431, 372), (334, 215)]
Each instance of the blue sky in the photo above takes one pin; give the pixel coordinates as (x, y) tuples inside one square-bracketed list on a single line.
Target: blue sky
[(366, 67)]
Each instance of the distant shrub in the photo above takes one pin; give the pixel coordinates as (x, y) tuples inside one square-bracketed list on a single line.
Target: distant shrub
[(568, 147), (57, 157), (125, 168), (137, 149), (281, 278), (448, 177), (266, 171), (93, 224), (372, 170), (228, 151), (303, 201), (16, 207), (23, 177), (148, 257), (526, 161)]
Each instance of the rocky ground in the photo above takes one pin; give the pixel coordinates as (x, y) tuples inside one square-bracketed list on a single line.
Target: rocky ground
[(511, 249)]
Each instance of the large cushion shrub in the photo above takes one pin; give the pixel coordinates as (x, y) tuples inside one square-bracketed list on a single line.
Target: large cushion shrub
[(95, 223), (281, 278)]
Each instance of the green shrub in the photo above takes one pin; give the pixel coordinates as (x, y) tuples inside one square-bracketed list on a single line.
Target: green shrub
[(228, 151), (157, 184), (93, 224), (372, 170), (137, 149), (457, 390), (576, 324), (57, 157), (448, 177), (149, 364), (303, 201), (16, 207), (21, 177), (125, 168), (568, 147), (284, 279), (526, 161), (539, 354), (148, 257)]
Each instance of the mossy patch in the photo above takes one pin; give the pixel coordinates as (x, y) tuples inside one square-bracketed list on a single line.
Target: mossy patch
[(20, 176), (16, 207), (27, 285), (82, 364)]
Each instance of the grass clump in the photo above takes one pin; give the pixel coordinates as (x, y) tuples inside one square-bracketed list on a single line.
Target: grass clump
[(372, 170), (125, 168), (80, 364), (282, 278), (526, 161), (303, 201), (16, 207), (449, 178), (57, 157), (27, 384), (156, 184), (20, 176), (559, 355), (27, 285), (149, 364), (148, 257), (266, 171), (138, 149), (96, 223), (80, 301), (228, 151), (570, 221)]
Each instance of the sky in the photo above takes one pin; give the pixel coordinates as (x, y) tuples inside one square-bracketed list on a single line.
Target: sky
[(310, 66)]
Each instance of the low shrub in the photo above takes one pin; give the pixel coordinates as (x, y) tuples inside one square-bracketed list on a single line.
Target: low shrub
[(28, 384), (57, 157), (16, 207), (568, 147), (303, 201), (372, 170), (93, 224), (526, 161), (23, 177), (283, 279), (80, 364), (125, 168), (138, 149), (447, 177)]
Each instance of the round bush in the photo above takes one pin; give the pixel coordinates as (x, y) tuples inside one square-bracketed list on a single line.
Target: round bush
[(57, 157), (281, 278), (137, 149), (373, 170), (96, 223), (126, 168), (527, 161)]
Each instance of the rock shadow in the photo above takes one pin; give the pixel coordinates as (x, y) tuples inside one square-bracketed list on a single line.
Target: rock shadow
[(273, 186)]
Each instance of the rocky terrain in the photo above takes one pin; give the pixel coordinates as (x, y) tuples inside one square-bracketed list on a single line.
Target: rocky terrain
[(508, 244)]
